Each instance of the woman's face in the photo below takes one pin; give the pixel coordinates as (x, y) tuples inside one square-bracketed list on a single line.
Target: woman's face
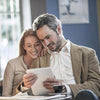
[(32, 46)]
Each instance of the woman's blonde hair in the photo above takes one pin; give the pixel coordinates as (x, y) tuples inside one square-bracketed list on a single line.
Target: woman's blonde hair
[(25, 33)]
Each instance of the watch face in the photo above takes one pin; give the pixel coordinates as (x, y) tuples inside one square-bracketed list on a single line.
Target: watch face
[(58, 88)]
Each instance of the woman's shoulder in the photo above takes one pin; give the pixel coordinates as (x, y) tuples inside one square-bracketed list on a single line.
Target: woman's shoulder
[(15, 60)]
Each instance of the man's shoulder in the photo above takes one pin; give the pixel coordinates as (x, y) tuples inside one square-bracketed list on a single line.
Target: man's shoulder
[(82, 48)]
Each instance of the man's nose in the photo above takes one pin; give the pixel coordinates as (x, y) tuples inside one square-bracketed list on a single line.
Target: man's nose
[(46, 42)]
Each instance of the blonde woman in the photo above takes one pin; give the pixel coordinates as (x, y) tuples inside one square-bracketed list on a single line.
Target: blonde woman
[(29, 49)]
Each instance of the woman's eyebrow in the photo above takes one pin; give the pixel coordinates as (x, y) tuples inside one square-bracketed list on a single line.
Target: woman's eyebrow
[(28, 43)]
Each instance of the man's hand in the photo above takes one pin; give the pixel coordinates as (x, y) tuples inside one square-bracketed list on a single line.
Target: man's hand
[(50, 82), (29, 80)]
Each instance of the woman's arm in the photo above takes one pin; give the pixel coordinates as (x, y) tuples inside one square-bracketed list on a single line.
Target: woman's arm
[(8, 80)]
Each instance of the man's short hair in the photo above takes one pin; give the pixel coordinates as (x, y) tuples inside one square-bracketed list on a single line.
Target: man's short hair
[(46, 19)]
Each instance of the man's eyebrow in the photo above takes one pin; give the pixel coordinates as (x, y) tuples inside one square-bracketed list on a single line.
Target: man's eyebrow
[(44, 38)]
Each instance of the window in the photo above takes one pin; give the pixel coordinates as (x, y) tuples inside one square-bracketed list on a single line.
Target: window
[(10, 30)]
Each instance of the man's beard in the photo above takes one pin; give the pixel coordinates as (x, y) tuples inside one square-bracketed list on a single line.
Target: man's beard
[(58, 45)]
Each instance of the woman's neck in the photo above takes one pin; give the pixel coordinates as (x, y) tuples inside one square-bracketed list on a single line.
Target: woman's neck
[(27, 60)]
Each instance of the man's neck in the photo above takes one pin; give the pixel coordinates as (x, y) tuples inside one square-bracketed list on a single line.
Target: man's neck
[(64, 41)]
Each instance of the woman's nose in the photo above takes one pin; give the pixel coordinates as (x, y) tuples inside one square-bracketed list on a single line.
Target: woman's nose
[(33, 49)]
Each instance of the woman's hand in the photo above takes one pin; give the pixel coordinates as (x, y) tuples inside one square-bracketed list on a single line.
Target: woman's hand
[(29, 80), (43, 52)]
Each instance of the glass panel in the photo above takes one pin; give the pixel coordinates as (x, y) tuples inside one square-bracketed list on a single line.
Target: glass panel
[(16, 5), (1, 6), (9, 6), (10, 23), (10, 30)]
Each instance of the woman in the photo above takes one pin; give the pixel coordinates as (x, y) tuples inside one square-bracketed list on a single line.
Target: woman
[(29, 49)]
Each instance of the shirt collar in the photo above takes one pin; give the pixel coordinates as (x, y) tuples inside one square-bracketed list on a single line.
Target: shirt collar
[(67, 46)]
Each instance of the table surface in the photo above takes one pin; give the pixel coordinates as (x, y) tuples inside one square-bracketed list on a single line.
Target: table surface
[(57, 97)]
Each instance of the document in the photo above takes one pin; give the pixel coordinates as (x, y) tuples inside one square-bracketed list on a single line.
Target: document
[(43, 74)]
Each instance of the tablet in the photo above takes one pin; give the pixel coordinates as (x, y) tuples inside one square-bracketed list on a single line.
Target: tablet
[(42, 74)]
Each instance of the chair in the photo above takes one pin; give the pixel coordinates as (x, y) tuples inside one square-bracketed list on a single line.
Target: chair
[(1, 87)]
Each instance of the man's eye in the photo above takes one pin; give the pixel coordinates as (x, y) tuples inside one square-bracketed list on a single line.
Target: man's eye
[(42, 40), (47, 37)]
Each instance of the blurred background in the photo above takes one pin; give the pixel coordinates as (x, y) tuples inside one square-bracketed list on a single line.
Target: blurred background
[(18, 15)]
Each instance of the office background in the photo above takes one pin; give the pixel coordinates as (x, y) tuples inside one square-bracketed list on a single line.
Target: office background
[(82, 34)]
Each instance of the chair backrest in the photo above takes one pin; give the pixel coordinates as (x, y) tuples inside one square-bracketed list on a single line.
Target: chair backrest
[(1, 87)]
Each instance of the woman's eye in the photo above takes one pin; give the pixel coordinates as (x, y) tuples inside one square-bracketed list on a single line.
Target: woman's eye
[(29, 46), (37, 44)]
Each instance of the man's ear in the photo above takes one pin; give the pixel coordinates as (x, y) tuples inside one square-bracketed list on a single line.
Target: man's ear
[(59, 29)]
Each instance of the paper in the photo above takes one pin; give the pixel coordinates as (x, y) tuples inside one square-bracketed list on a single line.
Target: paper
[(43, 74)]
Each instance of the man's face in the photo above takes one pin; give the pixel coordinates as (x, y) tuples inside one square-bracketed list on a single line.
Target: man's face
[(49, 38)]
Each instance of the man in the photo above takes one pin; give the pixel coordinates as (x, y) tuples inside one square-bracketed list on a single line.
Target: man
[(75, 67)]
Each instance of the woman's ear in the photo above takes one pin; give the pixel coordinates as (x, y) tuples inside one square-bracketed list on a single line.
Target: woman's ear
[(24, 46), (59, 29)]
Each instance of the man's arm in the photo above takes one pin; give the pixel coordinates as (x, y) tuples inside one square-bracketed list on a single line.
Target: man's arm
[(93, 78)]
